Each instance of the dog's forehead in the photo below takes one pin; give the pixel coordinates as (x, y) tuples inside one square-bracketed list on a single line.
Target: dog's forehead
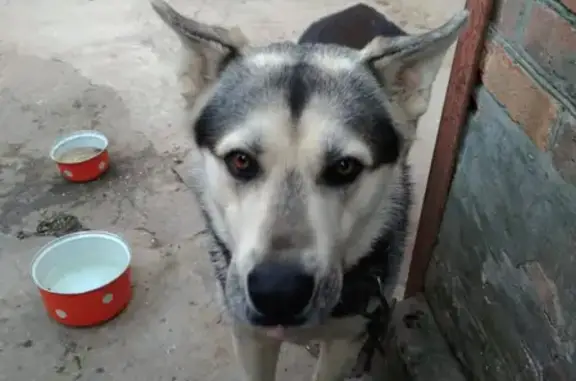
[(317, 136), (331, 58), (319, 95)]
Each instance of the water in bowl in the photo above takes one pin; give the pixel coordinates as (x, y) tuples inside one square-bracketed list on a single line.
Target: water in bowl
[(78, 155), (83, 280)]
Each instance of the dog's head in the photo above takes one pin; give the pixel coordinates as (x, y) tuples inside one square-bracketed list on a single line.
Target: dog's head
[(301, 151)]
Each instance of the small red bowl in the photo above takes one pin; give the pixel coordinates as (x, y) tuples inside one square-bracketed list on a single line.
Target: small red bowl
[(84, 277), (81, 156)]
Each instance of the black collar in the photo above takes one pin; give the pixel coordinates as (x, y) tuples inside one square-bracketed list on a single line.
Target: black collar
[(365, 281)]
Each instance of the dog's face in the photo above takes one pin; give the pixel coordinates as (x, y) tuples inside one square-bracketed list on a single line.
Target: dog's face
[(301, 152)]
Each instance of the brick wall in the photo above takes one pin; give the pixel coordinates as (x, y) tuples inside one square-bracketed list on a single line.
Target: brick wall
[(530, 65), (502, 282)]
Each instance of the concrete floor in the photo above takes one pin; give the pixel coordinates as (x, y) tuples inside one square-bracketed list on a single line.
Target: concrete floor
[(109, 65)]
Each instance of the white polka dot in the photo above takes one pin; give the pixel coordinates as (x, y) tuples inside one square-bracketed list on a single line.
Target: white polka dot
[(67, 173), (107, 298), (61, 314), (102, 165)]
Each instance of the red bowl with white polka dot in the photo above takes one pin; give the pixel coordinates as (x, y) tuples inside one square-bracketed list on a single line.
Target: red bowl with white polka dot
[(84, 278), (81, 156)]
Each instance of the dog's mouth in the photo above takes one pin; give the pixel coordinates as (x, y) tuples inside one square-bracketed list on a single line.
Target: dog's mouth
[(273, 322), (278, 333)]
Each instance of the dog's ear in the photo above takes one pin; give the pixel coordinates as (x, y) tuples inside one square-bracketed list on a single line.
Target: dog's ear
[(207, 49), (408, 65)]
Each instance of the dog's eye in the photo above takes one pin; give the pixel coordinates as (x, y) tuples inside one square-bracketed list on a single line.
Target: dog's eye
[(342, 172), (241, 165)]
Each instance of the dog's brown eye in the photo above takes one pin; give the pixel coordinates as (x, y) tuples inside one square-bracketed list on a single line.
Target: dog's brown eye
[(345, 167), (241, 165), (342, 172)]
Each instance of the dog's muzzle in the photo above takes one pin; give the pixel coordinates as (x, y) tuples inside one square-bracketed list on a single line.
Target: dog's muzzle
[(279, 293)]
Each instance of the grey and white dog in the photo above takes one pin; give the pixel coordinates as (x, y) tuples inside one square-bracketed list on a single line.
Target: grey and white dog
[(302, 173)]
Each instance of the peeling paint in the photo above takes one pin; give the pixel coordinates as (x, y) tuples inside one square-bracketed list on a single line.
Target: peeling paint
[(501, 282), (546, 291)]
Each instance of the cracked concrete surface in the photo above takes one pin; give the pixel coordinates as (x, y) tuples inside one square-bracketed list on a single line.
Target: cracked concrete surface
[(109, 65)]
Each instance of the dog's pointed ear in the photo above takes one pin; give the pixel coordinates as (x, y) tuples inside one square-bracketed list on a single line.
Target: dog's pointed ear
[(408, 65), (207, 49)]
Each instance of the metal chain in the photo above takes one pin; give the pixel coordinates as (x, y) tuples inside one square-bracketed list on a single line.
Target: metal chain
[(377, 334)]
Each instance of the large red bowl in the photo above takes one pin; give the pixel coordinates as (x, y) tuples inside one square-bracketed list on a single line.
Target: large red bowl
[(84, 278)]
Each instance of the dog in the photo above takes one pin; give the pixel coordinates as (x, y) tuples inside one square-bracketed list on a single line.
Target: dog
[(302, 174)]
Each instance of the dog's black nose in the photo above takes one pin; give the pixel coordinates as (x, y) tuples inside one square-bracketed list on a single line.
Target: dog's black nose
[(280, 292)]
